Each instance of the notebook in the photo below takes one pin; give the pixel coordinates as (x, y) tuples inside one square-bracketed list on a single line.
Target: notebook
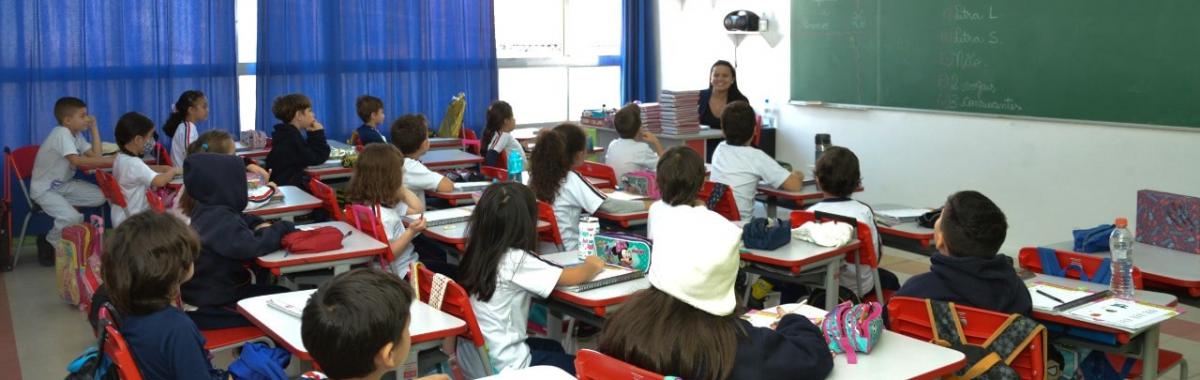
[(897, 216), (624, 196), (290, 303), (768, 317), (610, 275), (1122, 314), (1044, 303), (443, 217), (466, 187)]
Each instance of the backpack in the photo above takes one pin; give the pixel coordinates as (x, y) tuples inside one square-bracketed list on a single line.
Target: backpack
[(853, 328), (1049, 260), (451, 125), (1093, 239), (77, 262), (253, 139), (766, 234), (714, 198), (641, 182), (990, 360), (627, 250)]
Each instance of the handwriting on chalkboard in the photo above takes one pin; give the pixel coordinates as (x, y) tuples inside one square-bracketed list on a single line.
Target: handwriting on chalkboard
[(960, 12)]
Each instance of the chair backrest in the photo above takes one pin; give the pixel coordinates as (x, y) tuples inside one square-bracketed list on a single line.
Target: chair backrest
[(328, 198), (866, 251), (471, 141), (910, 316), (164, 156), (115, 346), (726, 206), (757, 130), (155, 202), (598, 170), (455, 301), (593, 365), (364, 219), (546, 212), (22, 160), (110, 188), (1030, 259)]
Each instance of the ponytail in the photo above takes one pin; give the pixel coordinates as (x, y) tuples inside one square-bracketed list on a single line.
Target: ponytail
[(497, 113), (179, 112)]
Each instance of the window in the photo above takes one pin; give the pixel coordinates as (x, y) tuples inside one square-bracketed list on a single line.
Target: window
[(558, 57), (246, 21)]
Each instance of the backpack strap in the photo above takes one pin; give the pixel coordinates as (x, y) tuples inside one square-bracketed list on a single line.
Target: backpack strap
[(1012, 337), (1049, 260), (947, 329), (1103, 274), (714, 198)]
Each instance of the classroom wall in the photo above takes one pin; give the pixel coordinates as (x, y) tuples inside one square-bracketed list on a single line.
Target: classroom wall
[(1048, 177)]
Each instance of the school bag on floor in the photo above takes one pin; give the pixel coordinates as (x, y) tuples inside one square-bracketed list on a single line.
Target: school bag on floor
[(990, 360), (77, 262)]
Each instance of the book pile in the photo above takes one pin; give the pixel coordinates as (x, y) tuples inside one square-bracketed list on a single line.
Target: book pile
[(899, 216), (680, 114), (651, 117)]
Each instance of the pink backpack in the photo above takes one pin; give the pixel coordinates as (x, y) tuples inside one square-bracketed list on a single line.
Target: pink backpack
[(641, 182), (77, 264), (853, 328)]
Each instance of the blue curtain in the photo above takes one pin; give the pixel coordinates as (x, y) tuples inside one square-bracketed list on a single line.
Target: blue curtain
[(413, 54), (118, 56), (639, 51)]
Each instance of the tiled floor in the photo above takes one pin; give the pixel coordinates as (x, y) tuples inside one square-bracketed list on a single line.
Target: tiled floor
[(49, 334)]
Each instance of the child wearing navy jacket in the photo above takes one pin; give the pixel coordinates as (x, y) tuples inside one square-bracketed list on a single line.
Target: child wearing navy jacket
[(216, 184), (145, 261), (291, 153), (685, 324), (966, 270)]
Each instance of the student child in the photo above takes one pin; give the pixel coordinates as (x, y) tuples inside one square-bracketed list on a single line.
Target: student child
[(135, 135), (743, 167), (838, 176), (191, 108), (410, 133), (291, 153), (687, 324), (370, 110), (967, 269), (219, 142), (377, 183), (216, 184), (497, 132), (53, 185), (635, 149), (356, 326), (145, 261), (553, 179), (500, 272)]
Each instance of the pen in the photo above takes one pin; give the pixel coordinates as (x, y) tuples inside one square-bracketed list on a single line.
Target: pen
[(1047, 295)]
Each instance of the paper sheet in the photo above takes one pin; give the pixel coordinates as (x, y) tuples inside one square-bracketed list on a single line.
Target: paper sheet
[(1041, 302)]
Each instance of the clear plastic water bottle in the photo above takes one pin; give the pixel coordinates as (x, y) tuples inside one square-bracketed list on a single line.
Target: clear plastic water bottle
[(516, 165), (589, 226), (1120, 244), (768, 114)]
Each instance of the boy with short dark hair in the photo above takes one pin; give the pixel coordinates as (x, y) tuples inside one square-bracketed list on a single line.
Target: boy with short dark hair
[(742, 167), (370, 110), (292, 153), (967, 269), (356, 326), (632, 150), (53, 185), (410, 133)]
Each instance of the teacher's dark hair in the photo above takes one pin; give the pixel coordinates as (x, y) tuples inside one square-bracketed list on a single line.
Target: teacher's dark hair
[(734, 92)]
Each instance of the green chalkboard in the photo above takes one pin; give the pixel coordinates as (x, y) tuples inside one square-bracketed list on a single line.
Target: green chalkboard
[(1104, 60)]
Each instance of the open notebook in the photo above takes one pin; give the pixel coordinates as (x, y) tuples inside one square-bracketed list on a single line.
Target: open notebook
[(436, 218), (610, 275), (1112, 312)]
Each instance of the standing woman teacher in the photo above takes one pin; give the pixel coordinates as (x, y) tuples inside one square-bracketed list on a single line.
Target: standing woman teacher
[(722, 90)]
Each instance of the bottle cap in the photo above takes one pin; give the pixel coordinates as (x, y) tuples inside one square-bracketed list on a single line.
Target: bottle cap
[(1121, 222)]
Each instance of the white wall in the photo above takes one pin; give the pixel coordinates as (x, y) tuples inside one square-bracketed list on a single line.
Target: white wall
[(1048, 177)]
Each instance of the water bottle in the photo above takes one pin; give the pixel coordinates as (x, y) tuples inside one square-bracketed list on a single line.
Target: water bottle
[(1120, 244), (822, 143), (768, 119), (589, 226), (516, 165)]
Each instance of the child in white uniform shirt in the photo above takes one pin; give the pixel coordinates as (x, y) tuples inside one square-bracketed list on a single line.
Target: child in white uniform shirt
[(557, 152), (741, 166), (628, 154), (498, 134), (52, 185), (500, 272), (378, 184), (134, 134), (410, 133), (192, 107)]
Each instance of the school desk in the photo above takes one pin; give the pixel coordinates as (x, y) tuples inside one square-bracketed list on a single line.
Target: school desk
[(357, 248), (428, 325), (244, 151), (910, 230), (295, 202), (440, 143), (1141, 344), (696, 141), (626, 220), (600, 183), (108, 167), (449, 159), (455, 234), (590, 306), (790, 262), (331, 169), (454, 198), (1159, 265), (540, 372), (892, 358), (809, 192)]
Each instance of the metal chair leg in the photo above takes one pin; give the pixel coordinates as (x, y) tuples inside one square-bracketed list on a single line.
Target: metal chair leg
[(21, 245)]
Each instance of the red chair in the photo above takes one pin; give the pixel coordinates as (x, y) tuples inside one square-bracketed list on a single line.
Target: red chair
[(601, 171), (328, 198), (866, 252), (498, 172), (223, 339), (154, 201), (456, 302), (726, 206), (471, 142), (163, 156), (910, 316), (115, 346), (546, 212), (592, 365), (19, 162), (364, 219), (111, 190), (1030, 259)]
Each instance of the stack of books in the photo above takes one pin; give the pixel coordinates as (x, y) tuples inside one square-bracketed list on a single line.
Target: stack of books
[(680, 114), (651, 117), (899, 216)]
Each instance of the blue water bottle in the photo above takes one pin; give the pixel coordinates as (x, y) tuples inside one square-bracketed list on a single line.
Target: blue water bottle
[(516, 165)]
